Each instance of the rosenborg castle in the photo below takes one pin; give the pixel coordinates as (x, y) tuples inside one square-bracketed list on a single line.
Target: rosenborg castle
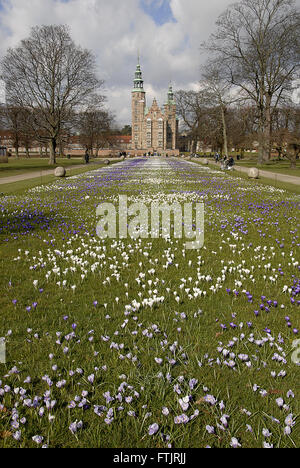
[(154, 129)]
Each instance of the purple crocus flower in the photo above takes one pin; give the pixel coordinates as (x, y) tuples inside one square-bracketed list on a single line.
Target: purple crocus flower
[(210, 429), (153, 429), (91, 378)]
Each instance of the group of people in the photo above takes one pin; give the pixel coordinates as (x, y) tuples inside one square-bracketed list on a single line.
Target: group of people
[(226, 163)]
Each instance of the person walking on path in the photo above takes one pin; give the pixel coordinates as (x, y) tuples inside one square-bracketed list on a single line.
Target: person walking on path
[(217, 157), (87, 156)]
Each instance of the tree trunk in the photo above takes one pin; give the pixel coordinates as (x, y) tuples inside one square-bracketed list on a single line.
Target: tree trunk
[(27, 152), (17, 151), (61, 150), (279, 151), (225, 144), (52, 149), (292, 155), (265, 132), (293, 163), (261, 146), (261, 136)]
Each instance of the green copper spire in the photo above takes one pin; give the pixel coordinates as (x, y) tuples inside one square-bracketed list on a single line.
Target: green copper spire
[(138, 83), (171, 95)]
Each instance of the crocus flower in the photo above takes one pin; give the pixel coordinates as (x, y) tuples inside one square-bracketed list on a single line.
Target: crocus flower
[(234, 443), (153, 429)]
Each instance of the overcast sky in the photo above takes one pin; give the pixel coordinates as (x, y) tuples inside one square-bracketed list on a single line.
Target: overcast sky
[(167, 33)]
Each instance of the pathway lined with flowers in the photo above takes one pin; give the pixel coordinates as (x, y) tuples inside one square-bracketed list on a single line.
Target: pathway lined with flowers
[(140, 342)]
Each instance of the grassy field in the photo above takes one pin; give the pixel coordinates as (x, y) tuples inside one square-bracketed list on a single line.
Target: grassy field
[(20, 186), (281, 167), (141, 342), (261, 181), (265, 182), (23, 166)]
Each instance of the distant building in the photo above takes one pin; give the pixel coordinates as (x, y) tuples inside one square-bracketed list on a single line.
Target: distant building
[(122, 142), (6, 138), (154, 130)]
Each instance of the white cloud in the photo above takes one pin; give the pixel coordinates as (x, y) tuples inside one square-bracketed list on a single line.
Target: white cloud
[(115, 30)]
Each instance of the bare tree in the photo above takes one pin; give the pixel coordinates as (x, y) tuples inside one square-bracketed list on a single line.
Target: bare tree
[(27, 137), (2, 115), (50, 76), (286, 132), (93, 124), (14, 122), (218, 93), (189, 108), (242, 126), (258, 43), (200, 114)]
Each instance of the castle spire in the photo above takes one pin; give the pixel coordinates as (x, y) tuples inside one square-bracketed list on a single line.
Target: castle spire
[(138, 83), (170, 94)]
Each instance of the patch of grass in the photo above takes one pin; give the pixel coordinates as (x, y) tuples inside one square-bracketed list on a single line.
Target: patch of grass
[(280, 167), (293, 188), (18, 166), (20, 186)]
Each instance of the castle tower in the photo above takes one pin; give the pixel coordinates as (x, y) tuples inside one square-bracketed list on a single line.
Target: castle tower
[(171, 120), (154, 129), (138, 103)]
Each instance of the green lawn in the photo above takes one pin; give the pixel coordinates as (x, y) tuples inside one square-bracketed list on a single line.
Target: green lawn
[(140, 343), (22, 165), (262, 181), (20, 186), (280, 167)]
